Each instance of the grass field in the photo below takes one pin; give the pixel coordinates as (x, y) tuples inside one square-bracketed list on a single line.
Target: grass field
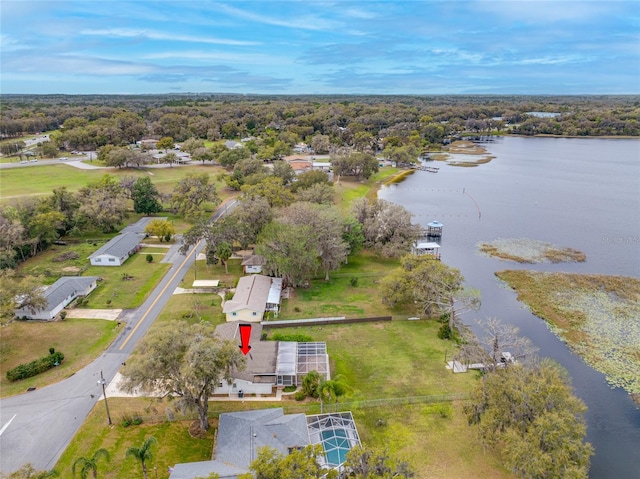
[(339, 297), (42, 179), (117, 292), (80, 340)]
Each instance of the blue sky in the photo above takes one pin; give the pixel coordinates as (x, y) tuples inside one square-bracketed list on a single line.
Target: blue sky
[(307, 47)]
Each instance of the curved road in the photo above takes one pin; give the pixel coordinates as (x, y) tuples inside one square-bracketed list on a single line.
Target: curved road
[(36, 427)]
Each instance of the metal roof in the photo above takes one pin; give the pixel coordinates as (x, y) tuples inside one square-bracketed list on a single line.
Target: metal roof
[(287, 358), (275, 291)]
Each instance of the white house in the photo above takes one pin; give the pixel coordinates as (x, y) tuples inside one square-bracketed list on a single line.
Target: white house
[(117, 250), (254, 295), (59, 294), (233, 145)]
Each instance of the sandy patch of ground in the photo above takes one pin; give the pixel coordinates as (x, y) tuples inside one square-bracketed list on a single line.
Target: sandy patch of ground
[(108, 314), (72, 269)]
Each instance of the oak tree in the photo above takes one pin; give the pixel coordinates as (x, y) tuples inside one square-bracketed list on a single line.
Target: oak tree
[(183, 362)]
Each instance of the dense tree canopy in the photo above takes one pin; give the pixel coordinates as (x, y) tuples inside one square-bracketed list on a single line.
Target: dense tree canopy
[(146, 198), (386, 226), (191, 192), (531, 413)]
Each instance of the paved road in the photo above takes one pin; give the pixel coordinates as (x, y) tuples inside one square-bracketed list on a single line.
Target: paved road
[(37, 426)]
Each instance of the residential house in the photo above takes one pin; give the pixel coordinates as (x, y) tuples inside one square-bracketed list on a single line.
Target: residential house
[(60, 294), (117, 250), (254, 296), (148, 143), (233, 145), (299, 164), (140, 225), (253, 263), (242, 434), (271, 363)]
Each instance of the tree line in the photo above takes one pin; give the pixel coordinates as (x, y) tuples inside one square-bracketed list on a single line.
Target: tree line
[(89, 122)]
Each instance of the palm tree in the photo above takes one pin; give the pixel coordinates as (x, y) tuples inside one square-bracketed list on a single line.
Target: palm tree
[(143, 453), (89, 464), (331, 390)]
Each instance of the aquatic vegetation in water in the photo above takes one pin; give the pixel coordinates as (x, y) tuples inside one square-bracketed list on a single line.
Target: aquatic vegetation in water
[(463, 153), (524, 250), (597, 315)]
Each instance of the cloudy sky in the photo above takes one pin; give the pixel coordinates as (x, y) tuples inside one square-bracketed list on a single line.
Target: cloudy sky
[(291, 47)]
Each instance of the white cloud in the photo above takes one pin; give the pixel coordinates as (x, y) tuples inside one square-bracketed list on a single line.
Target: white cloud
[(9, 44), (250, 58), (153, 35), (302, 22)]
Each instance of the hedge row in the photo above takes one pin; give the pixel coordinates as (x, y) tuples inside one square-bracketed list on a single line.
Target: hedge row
[(33, 368)]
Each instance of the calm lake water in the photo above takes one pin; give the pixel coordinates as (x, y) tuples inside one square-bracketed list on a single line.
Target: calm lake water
[(579, 193)]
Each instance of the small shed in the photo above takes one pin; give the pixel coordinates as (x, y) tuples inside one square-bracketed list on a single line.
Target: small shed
[(253, 264)]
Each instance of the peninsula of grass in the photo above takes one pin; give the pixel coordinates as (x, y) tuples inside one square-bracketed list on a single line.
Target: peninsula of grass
[(524, 250), (597, 315), (80, 340)]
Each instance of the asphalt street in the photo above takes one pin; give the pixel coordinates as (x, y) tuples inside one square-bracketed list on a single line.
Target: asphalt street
[(37, 426)]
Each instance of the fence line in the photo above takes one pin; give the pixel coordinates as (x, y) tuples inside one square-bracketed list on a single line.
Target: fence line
[(292, 323), (291, 408)]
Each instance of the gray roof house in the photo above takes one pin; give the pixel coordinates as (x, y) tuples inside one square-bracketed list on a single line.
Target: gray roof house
[(59, 294), (117, 250), (140, 225), (242, 434), (271, 363)]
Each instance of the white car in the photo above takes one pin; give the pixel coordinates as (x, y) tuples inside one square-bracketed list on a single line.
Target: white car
[(35, 160), (63, 158)]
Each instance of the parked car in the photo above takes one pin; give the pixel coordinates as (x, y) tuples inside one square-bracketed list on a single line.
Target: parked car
[(24, 161), (35, 160)]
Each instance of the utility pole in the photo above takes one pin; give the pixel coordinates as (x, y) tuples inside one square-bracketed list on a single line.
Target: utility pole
[(102, 383)]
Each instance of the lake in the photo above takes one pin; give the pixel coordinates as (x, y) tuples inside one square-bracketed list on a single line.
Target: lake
[(577, 193)]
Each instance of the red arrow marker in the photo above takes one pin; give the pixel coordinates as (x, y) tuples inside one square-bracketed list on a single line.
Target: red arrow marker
[(245, 335)]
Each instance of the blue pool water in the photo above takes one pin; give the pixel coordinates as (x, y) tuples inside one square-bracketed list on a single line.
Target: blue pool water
[(336, 446)]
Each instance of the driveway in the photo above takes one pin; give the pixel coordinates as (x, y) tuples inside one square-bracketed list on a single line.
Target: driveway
[(108, 314)]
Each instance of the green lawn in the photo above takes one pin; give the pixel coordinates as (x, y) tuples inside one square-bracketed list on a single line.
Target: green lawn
[(338, 297), (175, 444), (42, 179), (192, 308), (80, 340), (125, 293)]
